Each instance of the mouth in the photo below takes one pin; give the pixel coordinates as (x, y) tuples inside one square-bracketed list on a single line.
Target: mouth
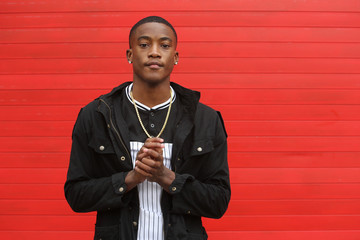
[(153, 65)]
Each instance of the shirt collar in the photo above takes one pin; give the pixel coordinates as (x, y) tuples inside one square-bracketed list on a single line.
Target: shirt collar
[(142, 106)]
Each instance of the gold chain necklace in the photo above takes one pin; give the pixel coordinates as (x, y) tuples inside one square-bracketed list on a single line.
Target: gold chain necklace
[(141, 123)]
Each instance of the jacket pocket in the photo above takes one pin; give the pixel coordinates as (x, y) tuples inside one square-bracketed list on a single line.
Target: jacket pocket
[(101, 146), (107, 233), (105, 158), (194, 159), (200, 147)]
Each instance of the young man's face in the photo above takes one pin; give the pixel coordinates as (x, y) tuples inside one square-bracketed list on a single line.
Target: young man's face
[(153, 52)]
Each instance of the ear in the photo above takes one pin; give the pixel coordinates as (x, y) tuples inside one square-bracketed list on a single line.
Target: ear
[(129, 55), (176, 57)]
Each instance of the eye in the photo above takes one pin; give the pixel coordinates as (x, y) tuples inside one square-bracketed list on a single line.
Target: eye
[(165, 45), (143, 45)]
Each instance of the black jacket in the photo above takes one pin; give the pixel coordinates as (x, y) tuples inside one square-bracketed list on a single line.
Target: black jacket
[(100, 160)]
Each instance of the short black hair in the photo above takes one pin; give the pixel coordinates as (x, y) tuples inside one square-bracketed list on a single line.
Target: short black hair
[(149, 20)]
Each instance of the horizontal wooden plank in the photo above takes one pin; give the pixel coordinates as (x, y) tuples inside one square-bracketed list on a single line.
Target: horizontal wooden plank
[(241, 144), (187, 65), (291, 128), (290, 112), (236, 207), (304, 191), (209, 96), (294, 191), (162, 5), (284, 235), (35, 144), (186, 34), (27, 128), (198, 80), (214, 235), (35, 176), (186, 50), (182, 19), (232, 223), (37, 207), (236, 160), (237, 175), (305, 144), (260, 223), (80, 222), (279, 96), (27, 191), (284, 159), (36, 128), (34, 160), (266, 207), (294, 175), (63, 113), (229, 112), (46, 235)]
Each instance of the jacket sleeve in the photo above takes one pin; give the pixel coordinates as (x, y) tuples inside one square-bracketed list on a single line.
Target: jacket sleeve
[(210, 196), (85, 191)]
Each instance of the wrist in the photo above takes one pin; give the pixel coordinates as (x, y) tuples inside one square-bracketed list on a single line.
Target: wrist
[(166, 179), (131, 180)]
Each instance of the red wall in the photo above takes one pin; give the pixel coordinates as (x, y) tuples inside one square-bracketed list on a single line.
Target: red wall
[(285, 74)]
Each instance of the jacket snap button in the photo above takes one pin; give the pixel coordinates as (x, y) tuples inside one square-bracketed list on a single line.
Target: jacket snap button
[(135, 224), (121, 189), (102, 148), (122, 158), (199, 149), (108, 125), (173, 189), (188, 212)]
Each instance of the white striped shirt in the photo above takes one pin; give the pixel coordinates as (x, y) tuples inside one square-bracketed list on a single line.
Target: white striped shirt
[(151, 222), (150, 219)]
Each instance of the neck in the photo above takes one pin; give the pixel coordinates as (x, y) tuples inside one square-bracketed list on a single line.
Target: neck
[(151, 95)]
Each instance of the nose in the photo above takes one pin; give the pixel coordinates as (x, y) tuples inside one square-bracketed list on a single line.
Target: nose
[(154, 51)]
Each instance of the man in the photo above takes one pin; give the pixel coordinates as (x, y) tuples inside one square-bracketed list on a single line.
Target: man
[(148, 157)]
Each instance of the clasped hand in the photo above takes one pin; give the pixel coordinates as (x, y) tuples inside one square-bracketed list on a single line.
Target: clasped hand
[(149, 160)]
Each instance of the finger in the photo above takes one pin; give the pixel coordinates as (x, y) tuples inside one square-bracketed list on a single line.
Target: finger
[(141, 150), (140, 156), (142, 172), (151, 164), (154, 145), (146, 165), (154, 154), (142, 169), (146, 152), (154, 139)]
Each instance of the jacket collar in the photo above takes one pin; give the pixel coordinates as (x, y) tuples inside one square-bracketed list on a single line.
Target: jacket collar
[(189, 98), (109, 96)]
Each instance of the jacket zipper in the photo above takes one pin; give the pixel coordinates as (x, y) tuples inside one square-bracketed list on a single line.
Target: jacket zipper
[(113, 126)]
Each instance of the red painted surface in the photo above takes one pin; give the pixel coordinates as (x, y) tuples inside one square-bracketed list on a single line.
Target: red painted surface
[(285, 75)]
